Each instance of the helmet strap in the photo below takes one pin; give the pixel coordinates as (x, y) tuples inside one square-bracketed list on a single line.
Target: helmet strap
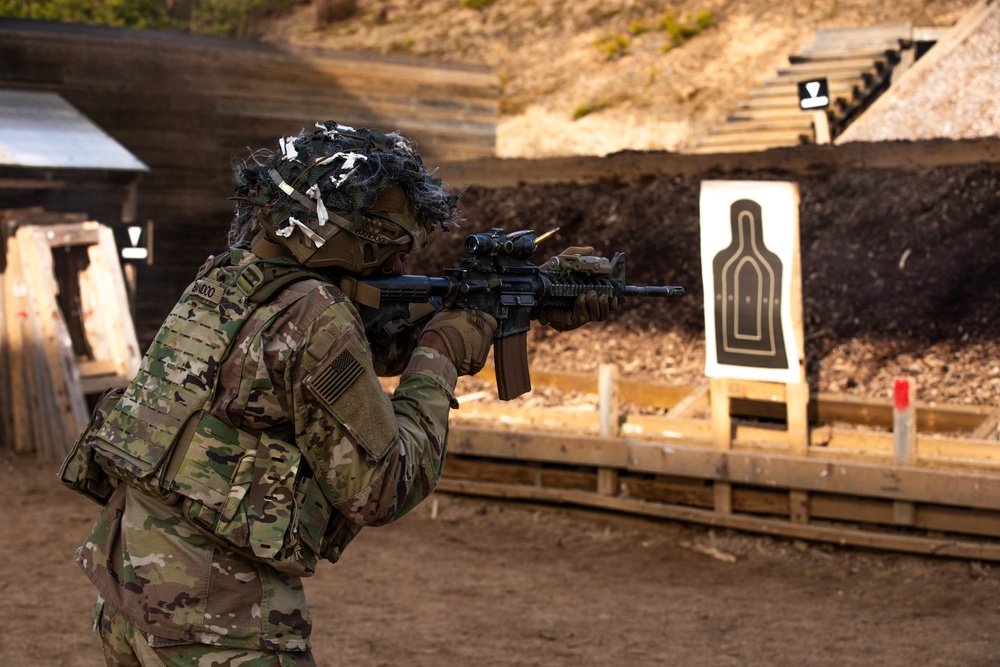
[(290, 191), (265, 248)]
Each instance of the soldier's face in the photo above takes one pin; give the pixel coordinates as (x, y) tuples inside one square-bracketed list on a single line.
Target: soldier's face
[(397, 265)]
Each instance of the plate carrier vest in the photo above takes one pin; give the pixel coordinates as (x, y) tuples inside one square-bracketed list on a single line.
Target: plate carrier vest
[(249, 488)]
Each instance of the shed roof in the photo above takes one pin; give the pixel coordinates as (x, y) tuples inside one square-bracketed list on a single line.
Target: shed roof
[(42, 130)]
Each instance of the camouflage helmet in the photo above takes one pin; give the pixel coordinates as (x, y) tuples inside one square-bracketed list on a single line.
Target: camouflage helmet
[(340, 198)]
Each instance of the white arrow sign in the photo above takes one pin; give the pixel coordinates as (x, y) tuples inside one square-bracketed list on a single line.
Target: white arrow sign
[(134, 234)]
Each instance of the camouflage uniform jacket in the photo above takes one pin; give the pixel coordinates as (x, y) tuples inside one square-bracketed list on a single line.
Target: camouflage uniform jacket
[(183, 584)]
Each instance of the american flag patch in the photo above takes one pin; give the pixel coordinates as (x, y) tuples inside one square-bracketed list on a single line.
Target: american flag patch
[(334, 379)]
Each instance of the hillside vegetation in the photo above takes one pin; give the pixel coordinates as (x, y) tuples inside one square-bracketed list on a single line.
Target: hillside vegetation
[(593, 77), (576, 77), (228, 18)]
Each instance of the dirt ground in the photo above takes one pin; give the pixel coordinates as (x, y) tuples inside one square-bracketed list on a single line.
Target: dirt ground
[(463, 581)]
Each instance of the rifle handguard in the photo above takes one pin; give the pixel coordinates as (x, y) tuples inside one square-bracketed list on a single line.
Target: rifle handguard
[(589, 307), (571, 289)]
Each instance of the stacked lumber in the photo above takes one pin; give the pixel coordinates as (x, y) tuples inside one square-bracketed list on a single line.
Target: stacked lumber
[(47, 373), (858, 64), (6, 416)]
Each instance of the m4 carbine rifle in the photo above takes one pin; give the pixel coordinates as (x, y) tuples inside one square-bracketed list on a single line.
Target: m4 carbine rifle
[(498, 279)]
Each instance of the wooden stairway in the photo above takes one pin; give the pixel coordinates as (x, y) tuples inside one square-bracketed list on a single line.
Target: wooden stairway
[(858, 63)]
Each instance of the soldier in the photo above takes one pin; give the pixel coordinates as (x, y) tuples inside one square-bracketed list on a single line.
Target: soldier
[(256, 439)]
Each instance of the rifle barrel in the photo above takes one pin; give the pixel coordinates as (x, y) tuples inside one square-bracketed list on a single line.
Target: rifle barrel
[(666, 291)]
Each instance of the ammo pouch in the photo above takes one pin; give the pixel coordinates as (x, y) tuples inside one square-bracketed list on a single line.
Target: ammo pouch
[(254, 491), (249, 488), (81, 471)]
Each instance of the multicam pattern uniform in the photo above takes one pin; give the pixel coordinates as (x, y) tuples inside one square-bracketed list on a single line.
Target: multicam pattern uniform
[(357, 458)]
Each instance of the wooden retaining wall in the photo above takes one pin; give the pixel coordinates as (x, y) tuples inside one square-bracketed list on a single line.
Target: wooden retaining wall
[(190, 106), (846, 483)]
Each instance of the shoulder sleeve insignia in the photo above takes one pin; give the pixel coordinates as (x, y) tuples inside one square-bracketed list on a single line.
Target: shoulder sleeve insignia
[(334, 378), (346, 385)]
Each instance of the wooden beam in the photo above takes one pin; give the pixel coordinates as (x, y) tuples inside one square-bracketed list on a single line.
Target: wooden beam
[(798, 506), (878, 412), (952, 547), (798, 502), (988, 428), (652, 394), (765, 469), (61, 402), (6, 418), (16, 314), (697, 400), (609, 411), (540, 446), (834, 443), (31, 184)]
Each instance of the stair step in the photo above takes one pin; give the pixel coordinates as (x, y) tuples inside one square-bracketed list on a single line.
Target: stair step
[(889, 52), (831, 68), (783, 136), (848, 37), (787, 102), (803, 124), (768, 114), (837, 89), (855, 78), (740, 148)]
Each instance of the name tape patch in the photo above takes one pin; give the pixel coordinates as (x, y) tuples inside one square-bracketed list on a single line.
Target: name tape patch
[(208, 291)]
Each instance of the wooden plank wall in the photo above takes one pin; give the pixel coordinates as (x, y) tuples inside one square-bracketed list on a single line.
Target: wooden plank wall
[(190, 107)]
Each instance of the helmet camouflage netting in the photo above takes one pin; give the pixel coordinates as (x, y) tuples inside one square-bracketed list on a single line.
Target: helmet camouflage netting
[(337, 179)]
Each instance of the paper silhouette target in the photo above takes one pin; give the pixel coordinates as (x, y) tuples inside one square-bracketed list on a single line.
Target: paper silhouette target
[(747, 278), (749, 253)]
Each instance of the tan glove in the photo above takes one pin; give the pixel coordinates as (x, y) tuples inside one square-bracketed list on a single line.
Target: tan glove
[(588, 307), (467, 334)]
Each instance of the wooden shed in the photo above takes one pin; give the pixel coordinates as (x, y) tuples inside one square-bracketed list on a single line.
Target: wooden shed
[(190, 107), (66, 329)]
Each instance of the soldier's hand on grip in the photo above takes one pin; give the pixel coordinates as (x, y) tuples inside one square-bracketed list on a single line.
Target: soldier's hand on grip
[(467, 335), (588, 307)]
